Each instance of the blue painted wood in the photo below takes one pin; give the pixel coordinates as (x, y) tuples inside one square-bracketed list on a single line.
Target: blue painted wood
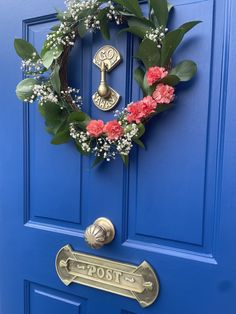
[(174, 206)]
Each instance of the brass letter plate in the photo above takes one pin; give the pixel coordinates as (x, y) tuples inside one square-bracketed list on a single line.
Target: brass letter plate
[(136, 282)]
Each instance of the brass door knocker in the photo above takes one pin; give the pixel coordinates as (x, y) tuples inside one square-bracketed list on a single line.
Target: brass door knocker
[(106, 58)]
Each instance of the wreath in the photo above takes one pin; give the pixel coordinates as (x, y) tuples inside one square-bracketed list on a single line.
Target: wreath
[(61, 105)]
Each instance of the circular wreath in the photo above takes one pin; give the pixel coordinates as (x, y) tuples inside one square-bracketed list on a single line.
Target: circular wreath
[(61, 105)]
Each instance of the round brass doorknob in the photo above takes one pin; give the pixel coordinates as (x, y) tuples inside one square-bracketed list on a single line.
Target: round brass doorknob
[(101, 232)]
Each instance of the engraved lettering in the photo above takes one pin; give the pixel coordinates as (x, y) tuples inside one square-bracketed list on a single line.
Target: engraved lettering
[(91, 270), (100, 273), (109, 275), (117, 276)]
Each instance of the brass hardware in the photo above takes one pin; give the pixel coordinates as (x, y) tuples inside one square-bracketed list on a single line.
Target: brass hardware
[(106, 58), (135, 282), (103, 89), (101, 232)]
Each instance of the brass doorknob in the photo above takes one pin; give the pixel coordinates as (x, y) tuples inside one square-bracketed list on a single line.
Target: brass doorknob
[(101, 232)]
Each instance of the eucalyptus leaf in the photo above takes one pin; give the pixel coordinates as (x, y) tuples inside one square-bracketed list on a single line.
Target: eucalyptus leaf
[(185, 70), (55, 79), (131, 5), (160, 8), (25, 50), (24, 89), (48, 55)]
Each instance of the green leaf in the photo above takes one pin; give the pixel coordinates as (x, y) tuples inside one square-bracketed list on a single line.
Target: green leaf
[(139, 76), (170, 7), (162, 108), (172, 41), (48, 55), (134, 30), (160, 8), (82, 30), (24, 89), (97, 161), (138, 26), (55, 28), (102, 17), (185, 70), (148, 90), (131, 5), (171, 79), (55, 79), (25, 50), (148, 53), (139, 142), (61, 137), (80, 118), (125, 159), (55, 118), (141, 131)]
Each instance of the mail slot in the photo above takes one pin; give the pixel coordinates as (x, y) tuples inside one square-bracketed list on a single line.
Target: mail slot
[(136, 282)]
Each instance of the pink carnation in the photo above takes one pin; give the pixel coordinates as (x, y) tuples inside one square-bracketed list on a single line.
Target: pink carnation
[(147, 106), (155, 74), (134, 113), (113, 130), (141, 109), (95, 128), (164, 94)]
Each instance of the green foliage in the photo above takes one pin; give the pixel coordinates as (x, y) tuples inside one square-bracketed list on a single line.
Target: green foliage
[(160, 8), (131, 5), (170, 79), (61, 137), (48, 55), (102, 17), (55, 118), (125, 160), (82, 29), (25, 50), (148, 53), (97, 161), (139, 143), (55, 79), (172, 41), (139, 77), (185, 70), (138, 26), (24, 89), (80, 118)]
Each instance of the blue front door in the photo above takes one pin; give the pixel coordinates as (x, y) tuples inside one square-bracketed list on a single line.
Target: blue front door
[(173, 207)]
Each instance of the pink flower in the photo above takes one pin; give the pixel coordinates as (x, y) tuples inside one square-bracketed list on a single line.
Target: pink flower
[(141, 109), (95, 128), (113, 130), (155, 74), (147, 106), (164, 94), (134, 113)]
